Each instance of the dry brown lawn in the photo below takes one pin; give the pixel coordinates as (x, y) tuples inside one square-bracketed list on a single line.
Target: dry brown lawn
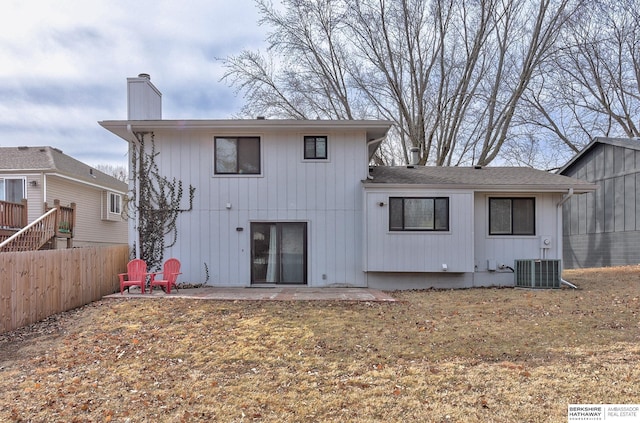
[(477, 355)]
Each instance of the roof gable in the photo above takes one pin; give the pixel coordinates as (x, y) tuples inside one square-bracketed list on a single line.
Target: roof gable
[(629, 143), (52, 160)]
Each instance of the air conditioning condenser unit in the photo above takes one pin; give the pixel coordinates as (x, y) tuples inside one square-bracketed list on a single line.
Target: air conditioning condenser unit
[(537, 273)]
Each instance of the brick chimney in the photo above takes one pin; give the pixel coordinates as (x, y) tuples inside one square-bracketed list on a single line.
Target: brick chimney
[(144, 100)]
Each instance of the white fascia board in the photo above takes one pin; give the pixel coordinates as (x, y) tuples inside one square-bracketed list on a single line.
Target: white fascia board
[(475, 188), (377, 128), (80, 181)]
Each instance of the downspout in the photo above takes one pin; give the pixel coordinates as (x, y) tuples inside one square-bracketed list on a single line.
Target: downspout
[(373, 141), (134, 187), (365, 252), (565, 198)]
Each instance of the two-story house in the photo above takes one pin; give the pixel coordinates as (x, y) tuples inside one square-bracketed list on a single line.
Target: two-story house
[(296, 202), (35, 178)]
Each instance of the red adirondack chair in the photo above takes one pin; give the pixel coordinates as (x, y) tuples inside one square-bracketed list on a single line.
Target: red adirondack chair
[(136, 275), (170, 272)]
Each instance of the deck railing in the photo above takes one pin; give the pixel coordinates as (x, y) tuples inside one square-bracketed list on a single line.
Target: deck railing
[(33, 236), (13, 215), (65, 219), (57, 222)]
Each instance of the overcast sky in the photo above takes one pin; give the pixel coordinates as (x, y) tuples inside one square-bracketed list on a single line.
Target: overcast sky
[(64, 65)]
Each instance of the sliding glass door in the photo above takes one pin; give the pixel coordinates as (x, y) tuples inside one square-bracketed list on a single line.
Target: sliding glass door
[(279, 252)]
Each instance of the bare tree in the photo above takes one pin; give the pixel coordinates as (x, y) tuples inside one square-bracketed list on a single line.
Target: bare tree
[(309, 77), (592, 86), (450, 74), (118, 172)]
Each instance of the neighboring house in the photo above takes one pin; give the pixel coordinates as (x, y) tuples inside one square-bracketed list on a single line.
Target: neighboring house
[(42, 175), (295, 202), (603, 228)]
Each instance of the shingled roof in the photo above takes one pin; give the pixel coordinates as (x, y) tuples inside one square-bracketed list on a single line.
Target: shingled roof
[(476, 178), (51, 160)]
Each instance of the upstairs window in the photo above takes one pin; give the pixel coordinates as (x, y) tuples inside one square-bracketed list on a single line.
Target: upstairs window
[(237, 156), (315, 147), (512, 216), (419, 214)]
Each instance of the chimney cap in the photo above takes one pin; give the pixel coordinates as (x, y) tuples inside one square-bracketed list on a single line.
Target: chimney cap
[(145, 75)]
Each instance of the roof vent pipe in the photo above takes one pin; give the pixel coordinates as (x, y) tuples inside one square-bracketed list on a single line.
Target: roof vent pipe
[(414, 153)]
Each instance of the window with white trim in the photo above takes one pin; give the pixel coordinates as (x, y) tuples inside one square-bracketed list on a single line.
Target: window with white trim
[(115, 203), (112, 204), (12, 189)]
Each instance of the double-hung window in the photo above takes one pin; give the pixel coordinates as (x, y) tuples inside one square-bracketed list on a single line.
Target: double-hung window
[(315, 147), (512, 216), (419, 214), (237, 155)]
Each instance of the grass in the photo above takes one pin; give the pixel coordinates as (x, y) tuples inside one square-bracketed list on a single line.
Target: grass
[(478, 355)]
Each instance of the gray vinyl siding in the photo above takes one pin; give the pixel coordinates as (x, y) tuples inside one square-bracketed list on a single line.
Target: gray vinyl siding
[(214, 242), (506, 249), (416, 251), (90, 229), (603, 228)]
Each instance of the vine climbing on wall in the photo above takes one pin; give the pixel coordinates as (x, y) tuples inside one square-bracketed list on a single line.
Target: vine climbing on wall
[(157, 200)]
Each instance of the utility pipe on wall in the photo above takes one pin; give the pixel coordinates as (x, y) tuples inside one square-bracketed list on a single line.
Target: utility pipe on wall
[(134, 186)]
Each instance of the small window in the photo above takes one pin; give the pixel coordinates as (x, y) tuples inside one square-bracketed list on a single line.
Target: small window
[(419, 214), (315, 147), (512, 216), (115, 203), (111, 208), (237, 156)]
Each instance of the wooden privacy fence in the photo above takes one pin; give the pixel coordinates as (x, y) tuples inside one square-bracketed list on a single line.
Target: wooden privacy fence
[(37, 284)]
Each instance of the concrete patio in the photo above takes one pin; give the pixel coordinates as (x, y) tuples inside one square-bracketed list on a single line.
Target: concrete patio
[(265, 294)]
